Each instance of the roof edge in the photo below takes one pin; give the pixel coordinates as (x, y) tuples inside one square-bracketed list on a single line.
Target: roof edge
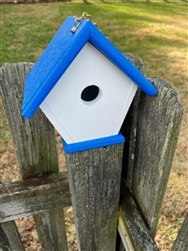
[(76, 41), (116, 57)]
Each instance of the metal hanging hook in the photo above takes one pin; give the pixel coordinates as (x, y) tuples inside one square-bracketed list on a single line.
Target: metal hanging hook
[(78, 20)]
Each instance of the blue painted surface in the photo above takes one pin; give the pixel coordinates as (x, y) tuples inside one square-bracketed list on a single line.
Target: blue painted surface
[(59, 54), (54, 61), (91, 144)]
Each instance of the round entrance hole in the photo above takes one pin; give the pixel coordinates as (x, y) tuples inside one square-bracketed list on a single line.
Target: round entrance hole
[(90, 93)]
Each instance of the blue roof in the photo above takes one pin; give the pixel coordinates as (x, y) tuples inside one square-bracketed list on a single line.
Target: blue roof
[(59, 54)]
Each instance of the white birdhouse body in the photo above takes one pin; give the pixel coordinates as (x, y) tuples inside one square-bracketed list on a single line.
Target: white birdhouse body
[(101, 110), (84, 85)]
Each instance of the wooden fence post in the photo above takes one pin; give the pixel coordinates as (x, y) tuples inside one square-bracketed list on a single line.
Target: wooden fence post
[(154, 125), (132, 228), (94, 180), (4, 242), (181, 243), (35, 147), (158, 127), (9, 237)]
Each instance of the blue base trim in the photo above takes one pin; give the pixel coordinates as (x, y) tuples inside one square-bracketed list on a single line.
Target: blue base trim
[(95, 143)]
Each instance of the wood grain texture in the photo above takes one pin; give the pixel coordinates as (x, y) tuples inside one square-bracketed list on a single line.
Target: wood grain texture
[(34, 142), (33, 139), (129, 126), (34, 195), (94, 179), (137, 62), (157, 133), (11, 240), (129, 130), (181, 243), (4, 242), (133, 230), (53, 223)]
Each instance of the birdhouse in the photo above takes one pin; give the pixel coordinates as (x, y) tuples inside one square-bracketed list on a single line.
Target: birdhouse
[(84, 85)]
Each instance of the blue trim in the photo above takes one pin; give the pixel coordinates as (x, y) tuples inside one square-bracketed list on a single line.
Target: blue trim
[(91, 144), (59, 54), (117, 58), (51, 65)]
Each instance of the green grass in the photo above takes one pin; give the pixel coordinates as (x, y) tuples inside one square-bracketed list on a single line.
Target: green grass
[(156, 32)]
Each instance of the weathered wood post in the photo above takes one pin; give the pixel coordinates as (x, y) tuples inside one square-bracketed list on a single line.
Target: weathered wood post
[(37, 155), (153, 132), (181, 243), (160, 120), (94, 179)]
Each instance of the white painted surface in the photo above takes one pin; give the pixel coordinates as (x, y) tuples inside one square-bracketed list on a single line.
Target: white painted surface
[(77, 120)]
